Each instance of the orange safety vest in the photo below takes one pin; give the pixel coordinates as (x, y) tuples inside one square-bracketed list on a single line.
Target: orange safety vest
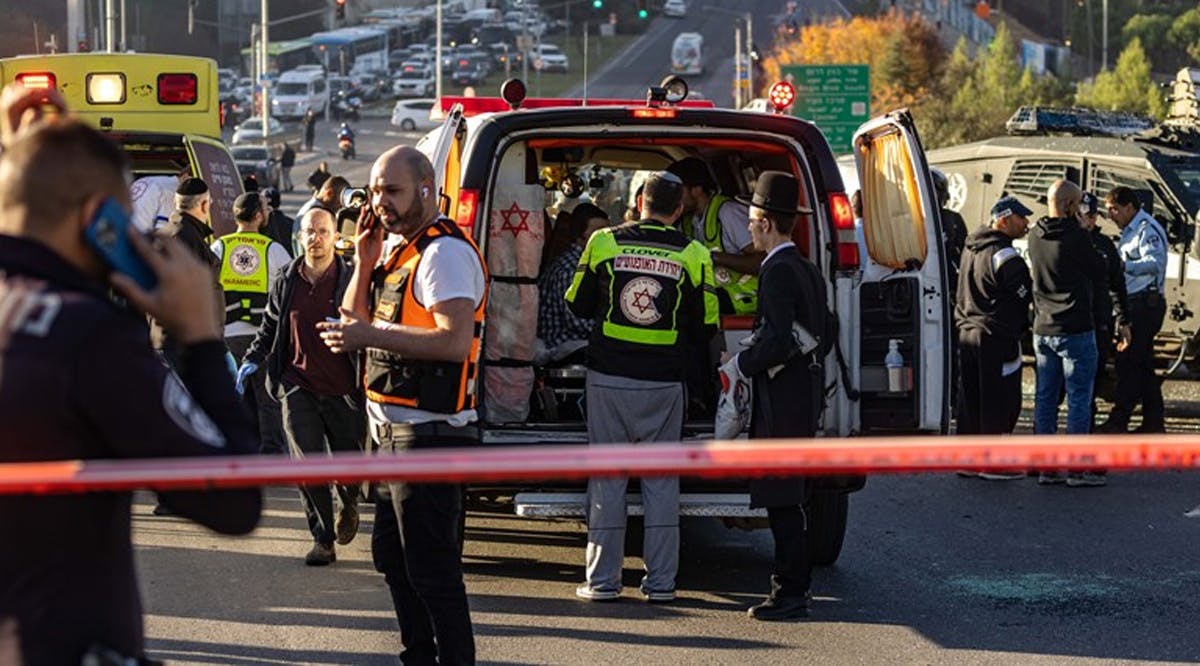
[(437, 386)]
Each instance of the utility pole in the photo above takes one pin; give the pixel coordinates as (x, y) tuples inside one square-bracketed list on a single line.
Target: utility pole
[(585, 61), (1104, 37), (749, 56), (124, 44), (737, 68), (437, 55), (110, 26), (262, 74)]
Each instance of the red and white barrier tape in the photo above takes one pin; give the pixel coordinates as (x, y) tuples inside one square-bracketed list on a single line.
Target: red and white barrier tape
[(739, 458)]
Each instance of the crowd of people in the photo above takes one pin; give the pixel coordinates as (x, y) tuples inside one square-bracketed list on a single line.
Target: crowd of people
[(1090, 300), (267, 340)]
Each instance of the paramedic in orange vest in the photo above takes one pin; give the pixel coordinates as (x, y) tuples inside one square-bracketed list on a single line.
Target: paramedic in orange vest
[(418, 317)]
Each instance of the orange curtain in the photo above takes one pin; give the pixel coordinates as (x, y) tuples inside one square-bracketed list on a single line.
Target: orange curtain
[(893, 219)]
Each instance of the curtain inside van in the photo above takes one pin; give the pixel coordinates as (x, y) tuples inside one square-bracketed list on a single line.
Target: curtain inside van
[(893, 220)]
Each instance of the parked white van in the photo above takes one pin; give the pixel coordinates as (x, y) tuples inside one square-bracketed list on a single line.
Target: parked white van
[(298, 91)]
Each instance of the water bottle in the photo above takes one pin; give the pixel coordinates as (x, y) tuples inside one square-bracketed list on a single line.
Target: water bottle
[(895, 366)]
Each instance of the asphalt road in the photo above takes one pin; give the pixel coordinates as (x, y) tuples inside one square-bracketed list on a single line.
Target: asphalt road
[(936, 569)]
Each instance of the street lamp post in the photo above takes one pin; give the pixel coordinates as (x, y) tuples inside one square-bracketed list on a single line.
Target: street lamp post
[(1104, 36), (263, 63), (437, 54)]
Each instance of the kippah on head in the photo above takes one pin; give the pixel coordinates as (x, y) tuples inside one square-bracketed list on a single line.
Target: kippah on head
[(192, 187), (246, 205), (659, 184)]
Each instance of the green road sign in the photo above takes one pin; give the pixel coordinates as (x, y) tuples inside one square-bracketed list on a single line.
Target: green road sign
[(837, 98)]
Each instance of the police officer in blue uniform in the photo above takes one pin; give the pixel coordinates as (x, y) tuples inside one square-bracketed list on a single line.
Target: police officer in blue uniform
[(79, 380), (1143, 249)]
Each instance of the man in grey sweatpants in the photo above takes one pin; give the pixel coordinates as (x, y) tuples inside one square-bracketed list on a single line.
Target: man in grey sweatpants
[(650, 291)]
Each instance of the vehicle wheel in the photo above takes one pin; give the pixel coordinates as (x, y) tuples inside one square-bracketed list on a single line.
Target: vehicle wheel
[(408, 125), (827, 513)]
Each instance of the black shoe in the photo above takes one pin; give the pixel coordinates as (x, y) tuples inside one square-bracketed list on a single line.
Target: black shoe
[(346, 525), (781, 609), (161, 509), (322, 554), (1112, 427), (1152, 428)]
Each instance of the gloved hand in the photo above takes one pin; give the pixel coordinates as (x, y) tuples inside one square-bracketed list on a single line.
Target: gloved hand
[(243, 372)]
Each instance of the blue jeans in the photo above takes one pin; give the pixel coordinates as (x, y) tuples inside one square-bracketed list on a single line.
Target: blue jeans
[(1073, 357)]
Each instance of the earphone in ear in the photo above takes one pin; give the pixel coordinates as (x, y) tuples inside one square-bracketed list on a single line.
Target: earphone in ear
[(424, 192)]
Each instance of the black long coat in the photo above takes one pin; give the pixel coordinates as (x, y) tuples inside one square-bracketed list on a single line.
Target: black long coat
[(790, 289)]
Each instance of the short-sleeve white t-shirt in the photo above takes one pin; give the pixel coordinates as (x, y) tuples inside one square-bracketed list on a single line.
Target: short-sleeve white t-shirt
[(735, 233), (449, 269)]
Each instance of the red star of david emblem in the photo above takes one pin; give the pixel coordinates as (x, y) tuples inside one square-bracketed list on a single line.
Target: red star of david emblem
[(522, 215), (643, 300)]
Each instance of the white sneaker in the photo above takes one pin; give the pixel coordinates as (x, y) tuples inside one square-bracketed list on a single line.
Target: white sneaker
[(1002, 475), (590, 593), (659, 597)]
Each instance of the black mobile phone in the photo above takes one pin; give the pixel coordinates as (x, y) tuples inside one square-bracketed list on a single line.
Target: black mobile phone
[(107, 234)]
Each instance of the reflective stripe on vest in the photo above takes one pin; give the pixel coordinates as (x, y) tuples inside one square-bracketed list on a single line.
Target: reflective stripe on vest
[(437, 386), (742, 289), (244, 276)]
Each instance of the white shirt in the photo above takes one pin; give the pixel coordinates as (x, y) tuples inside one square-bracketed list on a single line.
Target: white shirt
[(277, 260), (735, 232), (775, 250), (449, 269), (153, 200)]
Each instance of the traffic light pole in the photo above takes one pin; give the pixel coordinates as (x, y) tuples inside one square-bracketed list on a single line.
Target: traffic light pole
[(262, 73)]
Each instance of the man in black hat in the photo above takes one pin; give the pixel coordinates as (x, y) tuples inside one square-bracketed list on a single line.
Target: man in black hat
[(784, 363), (279, 226)]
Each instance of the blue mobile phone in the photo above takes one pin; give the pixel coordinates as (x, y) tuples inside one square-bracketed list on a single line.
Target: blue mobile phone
[(106, 233)]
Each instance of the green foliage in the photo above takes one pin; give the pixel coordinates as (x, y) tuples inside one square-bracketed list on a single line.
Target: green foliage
[(1185, 33), (976, 95), (1127, 87)]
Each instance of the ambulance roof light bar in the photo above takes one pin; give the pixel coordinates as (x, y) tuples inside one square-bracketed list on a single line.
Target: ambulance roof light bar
[(1079, 121)]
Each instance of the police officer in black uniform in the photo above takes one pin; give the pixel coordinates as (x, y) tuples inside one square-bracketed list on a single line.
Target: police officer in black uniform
[(994, 293), (78, 380)]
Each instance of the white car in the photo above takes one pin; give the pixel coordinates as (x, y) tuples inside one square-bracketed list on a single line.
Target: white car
[(414, 80), (413, 114), (551, 57), (250, 130), (675, 8)]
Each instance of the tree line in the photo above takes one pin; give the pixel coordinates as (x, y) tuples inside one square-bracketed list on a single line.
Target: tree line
[(961, 95)]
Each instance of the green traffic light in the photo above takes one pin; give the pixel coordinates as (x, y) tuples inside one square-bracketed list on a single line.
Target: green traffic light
[(597, 4), (643, 13)]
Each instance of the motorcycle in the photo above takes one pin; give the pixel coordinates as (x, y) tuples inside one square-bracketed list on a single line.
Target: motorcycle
[(346, 107), (346, 146)]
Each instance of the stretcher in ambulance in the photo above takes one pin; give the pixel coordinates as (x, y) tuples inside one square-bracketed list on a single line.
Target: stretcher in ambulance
[(492, 168)]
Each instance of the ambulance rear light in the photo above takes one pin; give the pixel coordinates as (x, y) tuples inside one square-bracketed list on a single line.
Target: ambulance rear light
[(653, 113), (843, 227), (105, 88), (177, 89), (468, 204), (42, 80)]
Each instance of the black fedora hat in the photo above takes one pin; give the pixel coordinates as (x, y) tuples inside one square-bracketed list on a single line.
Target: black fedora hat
[(777, 192)]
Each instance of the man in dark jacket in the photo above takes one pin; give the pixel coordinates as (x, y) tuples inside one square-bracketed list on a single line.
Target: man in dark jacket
[(279, 226), (992, 315), (786, 372), (1065, 269), (1108, 295), (78, 380), (316, 386)]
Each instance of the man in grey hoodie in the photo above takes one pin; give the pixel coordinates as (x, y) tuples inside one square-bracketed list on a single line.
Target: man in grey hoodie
[(1065, 267)]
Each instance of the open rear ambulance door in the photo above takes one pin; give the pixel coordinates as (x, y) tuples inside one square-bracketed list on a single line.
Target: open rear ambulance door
[(443, 147), (903, 294), (212, 162)]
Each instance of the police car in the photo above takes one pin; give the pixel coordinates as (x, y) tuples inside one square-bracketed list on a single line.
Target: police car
[(501, 162)]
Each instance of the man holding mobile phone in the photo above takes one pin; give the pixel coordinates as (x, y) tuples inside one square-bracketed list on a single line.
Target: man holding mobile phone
[(317, 388), (78, 380)]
